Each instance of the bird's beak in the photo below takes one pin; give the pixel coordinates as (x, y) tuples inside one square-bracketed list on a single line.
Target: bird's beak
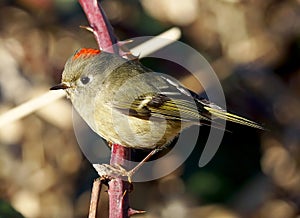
[(60, 86)]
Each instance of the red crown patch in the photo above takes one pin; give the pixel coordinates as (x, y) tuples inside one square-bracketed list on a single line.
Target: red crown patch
[(86, 52)]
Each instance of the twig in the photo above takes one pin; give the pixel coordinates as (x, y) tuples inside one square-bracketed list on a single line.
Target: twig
[(95, 197), (29, 107), (156, 43)]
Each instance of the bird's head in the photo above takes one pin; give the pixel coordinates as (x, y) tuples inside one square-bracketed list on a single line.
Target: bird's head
[(78, 72)]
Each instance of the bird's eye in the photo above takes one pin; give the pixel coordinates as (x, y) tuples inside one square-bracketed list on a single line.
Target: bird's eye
[(85, 80)]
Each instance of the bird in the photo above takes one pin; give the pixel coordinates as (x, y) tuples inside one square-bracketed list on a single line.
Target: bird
[(129, 104)]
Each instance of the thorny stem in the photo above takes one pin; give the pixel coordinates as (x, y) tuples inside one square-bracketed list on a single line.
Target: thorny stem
[(118, 189), (100, 25)]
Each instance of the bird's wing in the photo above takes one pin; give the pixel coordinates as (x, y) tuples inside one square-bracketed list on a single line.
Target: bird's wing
[(159, 96), (170, 100)]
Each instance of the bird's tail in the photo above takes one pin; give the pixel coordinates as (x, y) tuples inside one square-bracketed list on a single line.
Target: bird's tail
[(217, 112)]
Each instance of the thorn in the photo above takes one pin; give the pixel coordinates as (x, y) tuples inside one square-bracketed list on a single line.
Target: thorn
[(133, 212), (88, 28), (124, 194), (125, 42)]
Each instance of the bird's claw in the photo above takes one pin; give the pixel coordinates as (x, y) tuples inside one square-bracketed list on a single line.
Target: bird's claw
[(106, 171)]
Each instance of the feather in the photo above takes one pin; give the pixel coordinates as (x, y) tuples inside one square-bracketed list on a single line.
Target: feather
[(167, 98)]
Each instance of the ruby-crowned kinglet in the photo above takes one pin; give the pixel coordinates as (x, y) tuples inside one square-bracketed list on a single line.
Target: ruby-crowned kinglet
[(129, 104)]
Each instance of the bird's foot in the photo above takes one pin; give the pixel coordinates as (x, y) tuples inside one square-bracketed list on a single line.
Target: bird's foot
[(108, 172)]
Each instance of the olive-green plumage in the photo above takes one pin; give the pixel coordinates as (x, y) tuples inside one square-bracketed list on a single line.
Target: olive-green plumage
[(127, 103)]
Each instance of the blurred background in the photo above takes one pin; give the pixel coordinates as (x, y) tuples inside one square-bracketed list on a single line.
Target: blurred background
[(254, 48)]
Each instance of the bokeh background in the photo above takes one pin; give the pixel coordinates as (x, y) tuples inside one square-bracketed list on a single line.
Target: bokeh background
[(254, 48)]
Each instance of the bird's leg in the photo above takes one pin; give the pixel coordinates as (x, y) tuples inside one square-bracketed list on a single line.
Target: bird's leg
[(107, 171), (131, 172)]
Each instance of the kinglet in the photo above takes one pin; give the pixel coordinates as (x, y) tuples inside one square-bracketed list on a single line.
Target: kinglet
[(129, 104)]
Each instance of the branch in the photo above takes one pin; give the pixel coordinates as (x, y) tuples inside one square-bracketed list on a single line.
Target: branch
[(29, 107), (95, 197), (100, 26), (118, 189)]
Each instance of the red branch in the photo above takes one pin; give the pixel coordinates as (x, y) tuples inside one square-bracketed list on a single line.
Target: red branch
[(100, 25), (118, 189)]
